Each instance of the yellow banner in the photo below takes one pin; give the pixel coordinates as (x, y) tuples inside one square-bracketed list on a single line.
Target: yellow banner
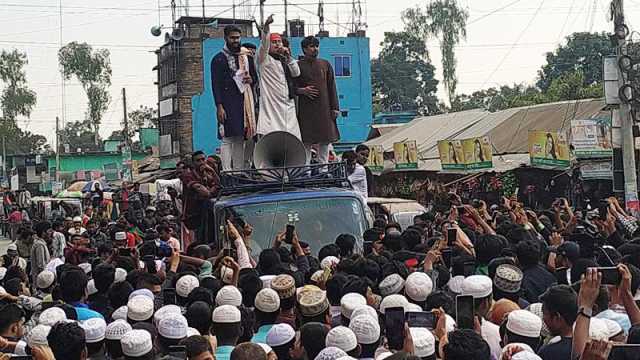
[(549, 148), (478, 153), (376, 158), (406, 154)]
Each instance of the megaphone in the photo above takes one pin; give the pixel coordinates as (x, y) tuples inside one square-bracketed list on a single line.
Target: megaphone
[(279, 149), (156, 30), (177, 34)]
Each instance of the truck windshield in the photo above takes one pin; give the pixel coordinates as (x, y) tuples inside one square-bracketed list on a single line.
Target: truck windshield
[(318, 221)]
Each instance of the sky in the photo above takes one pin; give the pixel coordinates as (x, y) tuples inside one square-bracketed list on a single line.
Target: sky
[(506, 41)]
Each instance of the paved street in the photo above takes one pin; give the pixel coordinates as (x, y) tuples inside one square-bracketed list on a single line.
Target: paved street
[(4, 242)]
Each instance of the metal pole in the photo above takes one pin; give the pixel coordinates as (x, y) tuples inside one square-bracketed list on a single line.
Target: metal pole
[(286, 19), (4, 158), (262, 13), (127, 141), (57, 149)]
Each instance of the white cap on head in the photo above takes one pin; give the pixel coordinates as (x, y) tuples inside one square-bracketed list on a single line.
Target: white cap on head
[(330, 353), (364, 310), (266, 280), (342, 337), (280, 334), (77, 219), (142, 292), (120, 313), (186, 284), (38, 335), (225, 314), (44, 280), (136, 343), (317, 276), (455, 284), (51, 316), (173, 326), (524, 323), (86, 267), (3, 272), (267, 349), (613, 328), (395, 300), (525, 355), (121, 235), (412, 307), (94, 329), (53, 264), (392, 284), (120, 275), (164, 311), (140, 308), (116, 329), (598, 329), (91, 287), (328, 262), (383, 355), (418, 286), (267, 300), (366, 328), (350, 301), (424, 343), (229, 295), (192, 332), (478, 286)]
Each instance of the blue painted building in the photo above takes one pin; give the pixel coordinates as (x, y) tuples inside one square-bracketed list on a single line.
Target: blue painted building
[(351, 63)]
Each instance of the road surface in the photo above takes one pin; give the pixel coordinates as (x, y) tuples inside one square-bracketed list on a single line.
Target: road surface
[(4, 242)]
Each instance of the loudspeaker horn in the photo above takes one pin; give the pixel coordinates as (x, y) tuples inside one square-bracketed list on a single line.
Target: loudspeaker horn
[(177, 34), (156, 30), (279, 149)]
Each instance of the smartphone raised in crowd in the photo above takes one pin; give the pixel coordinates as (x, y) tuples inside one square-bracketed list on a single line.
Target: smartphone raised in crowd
[(452, 236), (394, 327), (422, 319), (603, 210), (464, 311), (230, 252), (288, 237), (610, 275)]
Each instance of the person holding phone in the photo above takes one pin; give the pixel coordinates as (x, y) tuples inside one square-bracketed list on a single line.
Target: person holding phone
[(481, 288)]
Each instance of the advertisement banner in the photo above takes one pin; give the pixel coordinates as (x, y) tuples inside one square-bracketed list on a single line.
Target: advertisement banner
[(597, 170), (591, 138), (406, 154), (477, 153), (376, 158), (451, 155), (549, 149)]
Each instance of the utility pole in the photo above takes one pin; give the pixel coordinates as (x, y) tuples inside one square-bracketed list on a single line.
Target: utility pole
[(628, 141), (57, 149), (4, 159), (286, 19), (262, 13), (127, 141)]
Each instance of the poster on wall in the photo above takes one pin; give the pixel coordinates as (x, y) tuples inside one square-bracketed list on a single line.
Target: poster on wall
[(451, 155), (406, 154), (549, 149), (478, 153), (376, 158), (602, 170), (591, 138)]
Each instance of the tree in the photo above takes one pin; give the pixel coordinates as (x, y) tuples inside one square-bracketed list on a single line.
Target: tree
[(583, 52), (445, 20), (18, 141), (79, 134), (402, 76), (17, 98), (493, 99), (93, 70), (142, 117)]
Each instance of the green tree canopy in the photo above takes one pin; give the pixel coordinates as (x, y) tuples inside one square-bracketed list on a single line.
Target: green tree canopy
[(79, 134), (16, 99)]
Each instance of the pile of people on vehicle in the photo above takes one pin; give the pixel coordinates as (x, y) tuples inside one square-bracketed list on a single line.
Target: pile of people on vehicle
[(472, 282)]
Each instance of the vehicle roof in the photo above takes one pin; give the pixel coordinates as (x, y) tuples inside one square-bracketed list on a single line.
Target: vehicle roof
[(287, 194)]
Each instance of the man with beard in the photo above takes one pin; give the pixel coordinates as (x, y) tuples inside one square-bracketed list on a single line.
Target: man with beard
[(318, 106), (96, 236), (277, 90), (232, 78)]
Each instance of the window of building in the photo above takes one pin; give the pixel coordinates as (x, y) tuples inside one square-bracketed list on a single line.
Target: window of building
[(342, 65)]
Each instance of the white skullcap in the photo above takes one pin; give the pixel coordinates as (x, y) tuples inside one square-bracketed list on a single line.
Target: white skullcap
[(342, 337), (44, 280), (120, 275), (364, 310), (3, 272), (2, 290), (328, 262), (522, 346), (94, 329), (418, 286), (12, 247), (140, 308), (142, 292), (53, 264), (330, 353), (192, 332), (383, 355), (38, 335), (266, 280), (225, 314), (267, 300), (267, 349), (424, 343), (524, 323), (536, 309), (121, 235), (412, 307), (392, 284), (86, 267), (117, 329), (91, 287), (136, 343), (280, 334), (173, 326), (164, 311), (120, 313), (613, 328), (351, 301), (366, 328), (455, 284), (77, 219), (229, 295), (450, 324), (478, 286), (598, 329), (51, 316), (347, 357), (186, 284), (317, 276), (525, 355), (394, 300)]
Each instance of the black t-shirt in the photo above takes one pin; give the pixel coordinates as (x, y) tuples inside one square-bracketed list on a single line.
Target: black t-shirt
[(560, 350)]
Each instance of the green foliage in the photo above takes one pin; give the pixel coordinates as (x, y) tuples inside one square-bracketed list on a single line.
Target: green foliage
[(142, 117), (18, 141), (16, 99), (79, 134)]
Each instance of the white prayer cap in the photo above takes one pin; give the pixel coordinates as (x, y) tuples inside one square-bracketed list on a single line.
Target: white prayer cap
[(351, 301), (192, 331), (598, 329), (3, 272), (38, 335), (455, 284), (525, 355), (120, 313), (117, 329), (91, 287), (164, 311), (394, 300), (364, 310), (328, 262), (450, 324), (136, 343), (366, 328), (140, 308), (86, 267), (342, 337), (120, 275), (173, 326), (418, 286), (330, 353), (280, 334), (94, 329), (524, 323), (266, 280), (317, 276), (536, 309), (121, 235), (267, 300), (44, 279), (229, 295), (225, 314), (77, 219), (186, 284), (142, 292), (412, 307), (392, 284), (522, 346), (267, 349), (383, 355), (424, 343), (51, 316), (613, 328), (478, 286)]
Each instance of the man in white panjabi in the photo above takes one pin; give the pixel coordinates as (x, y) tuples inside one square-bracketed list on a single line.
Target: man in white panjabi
[(277, 69)]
